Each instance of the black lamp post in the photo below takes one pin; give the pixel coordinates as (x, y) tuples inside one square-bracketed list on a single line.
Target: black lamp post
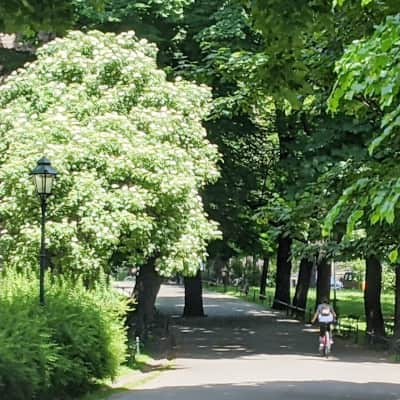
[(334, 285), (43, 177)]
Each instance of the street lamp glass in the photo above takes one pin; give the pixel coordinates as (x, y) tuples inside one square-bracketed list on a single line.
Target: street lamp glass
[(43, 176)]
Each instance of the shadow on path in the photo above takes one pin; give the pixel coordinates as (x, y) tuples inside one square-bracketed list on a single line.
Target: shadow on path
[(274, 390), (242, 351), (234, 328)]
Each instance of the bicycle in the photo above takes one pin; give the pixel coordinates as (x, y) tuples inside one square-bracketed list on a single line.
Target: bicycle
[(325, 341)]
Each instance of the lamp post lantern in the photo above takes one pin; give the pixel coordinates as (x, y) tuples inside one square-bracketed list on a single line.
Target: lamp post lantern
[(43, 176)]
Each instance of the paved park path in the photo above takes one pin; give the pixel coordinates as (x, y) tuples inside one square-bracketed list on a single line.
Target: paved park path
[(242, 352)]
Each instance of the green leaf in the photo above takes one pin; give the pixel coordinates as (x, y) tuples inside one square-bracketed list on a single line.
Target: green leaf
[(375, 217), (352, 220), (393, 255)]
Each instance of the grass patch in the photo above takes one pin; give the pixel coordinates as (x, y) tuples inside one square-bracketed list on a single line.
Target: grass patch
[(104, 393), (131, 376), (252, 296), (348, 301)]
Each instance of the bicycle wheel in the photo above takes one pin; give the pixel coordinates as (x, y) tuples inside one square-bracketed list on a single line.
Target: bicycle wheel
[(327, 344), (321, 346)]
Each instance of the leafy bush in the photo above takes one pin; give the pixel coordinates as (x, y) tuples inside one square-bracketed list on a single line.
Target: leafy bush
[(388, 279), (59, 350), (27, 354)]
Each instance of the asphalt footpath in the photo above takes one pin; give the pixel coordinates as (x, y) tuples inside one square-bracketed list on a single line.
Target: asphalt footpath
[(241, 351)]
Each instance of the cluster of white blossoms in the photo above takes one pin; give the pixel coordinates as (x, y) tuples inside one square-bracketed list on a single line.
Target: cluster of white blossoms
[(130, 149)]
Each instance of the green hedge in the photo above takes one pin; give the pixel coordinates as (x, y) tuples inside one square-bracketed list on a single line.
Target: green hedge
[(57, 351)]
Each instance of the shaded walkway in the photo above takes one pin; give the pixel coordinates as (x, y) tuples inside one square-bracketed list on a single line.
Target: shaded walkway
[(243, 351), (235, 328), (278, 390)]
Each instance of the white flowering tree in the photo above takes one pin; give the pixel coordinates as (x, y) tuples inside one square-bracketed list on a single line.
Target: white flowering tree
[(131, 154)]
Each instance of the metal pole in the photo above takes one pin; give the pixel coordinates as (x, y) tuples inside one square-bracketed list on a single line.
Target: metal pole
[(42, 250), (334, 283)]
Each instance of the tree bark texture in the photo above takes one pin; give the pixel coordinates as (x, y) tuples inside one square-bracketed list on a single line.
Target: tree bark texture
[(255, 270), (146, 289), (313, 281), (193, 296), (372, 296), (303, 283), (323, 279), (264, 275), (283, 269)]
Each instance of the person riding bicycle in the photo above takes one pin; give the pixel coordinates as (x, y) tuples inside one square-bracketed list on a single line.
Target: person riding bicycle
[(326, 316)]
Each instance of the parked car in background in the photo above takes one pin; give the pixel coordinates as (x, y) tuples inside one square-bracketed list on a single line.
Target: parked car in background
[(351, 280)]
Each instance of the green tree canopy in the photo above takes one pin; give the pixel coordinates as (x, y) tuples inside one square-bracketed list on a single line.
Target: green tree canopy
[(216, 50), (368, 87), (30, 16)]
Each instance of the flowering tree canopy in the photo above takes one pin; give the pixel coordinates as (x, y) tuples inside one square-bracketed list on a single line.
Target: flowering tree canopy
[(130, 150)]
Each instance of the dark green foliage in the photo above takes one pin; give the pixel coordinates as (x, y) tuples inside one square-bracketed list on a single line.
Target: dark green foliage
[(11, 60), (30, 16), (158, 21), (216, 50), (57, 351), (89, 14)]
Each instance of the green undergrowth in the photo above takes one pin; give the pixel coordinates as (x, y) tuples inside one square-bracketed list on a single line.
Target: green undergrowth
[(58, 350)]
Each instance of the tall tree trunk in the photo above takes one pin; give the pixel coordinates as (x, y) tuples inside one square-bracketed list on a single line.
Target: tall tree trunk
[(313, 281), (193, 296), (372, 296), (323, 279), (225, 275), (264, 275), (303, 283), (283, 269), (146, 289), (218, 268), (397, 304), (253, 270)]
